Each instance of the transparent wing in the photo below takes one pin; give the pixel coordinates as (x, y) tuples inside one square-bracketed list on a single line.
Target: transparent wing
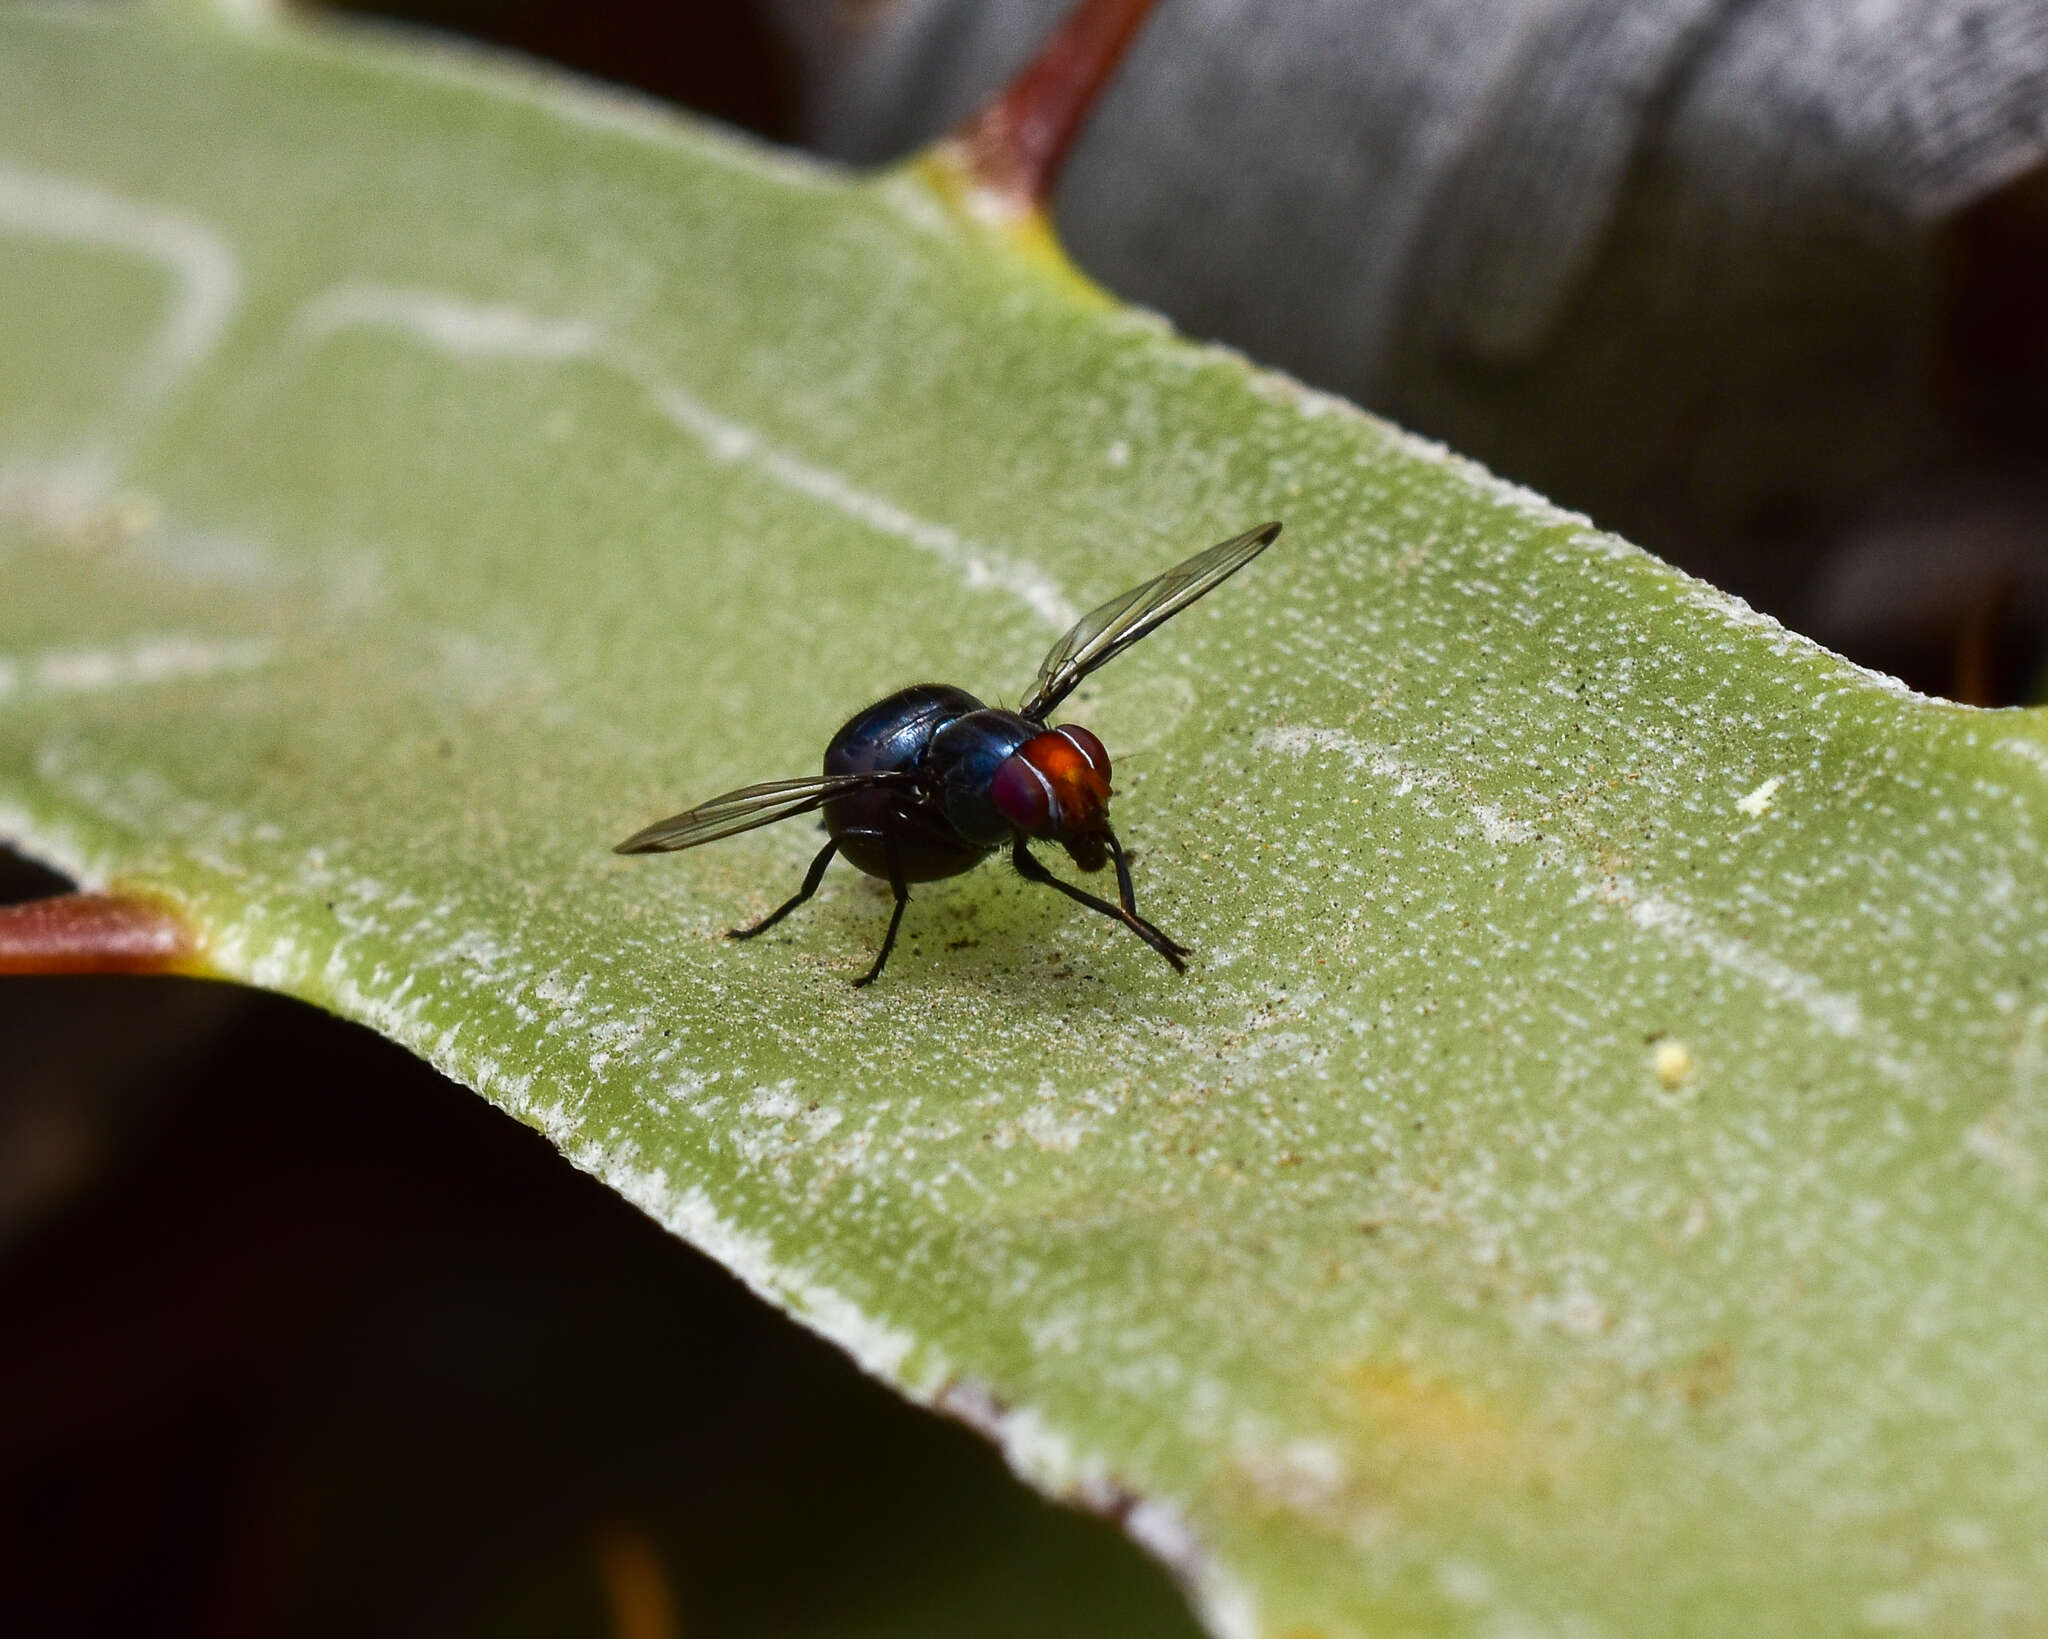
[(750, 807), (1103, 634)]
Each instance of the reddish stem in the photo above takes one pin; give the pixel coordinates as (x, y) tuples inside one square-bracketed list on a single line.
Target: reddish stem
[(94, 933), (1016, 144)]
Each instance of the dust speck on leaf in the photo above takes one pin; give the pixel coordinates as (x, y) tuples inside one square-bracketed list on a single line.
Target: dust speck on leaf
[(1758, 802)]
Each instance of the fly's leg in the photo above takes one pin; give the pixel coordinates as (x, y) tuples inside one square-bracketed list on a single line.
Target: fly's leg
[(1032, 871), (1124, 890), (1129, 896), (812, 878), (902, 892)]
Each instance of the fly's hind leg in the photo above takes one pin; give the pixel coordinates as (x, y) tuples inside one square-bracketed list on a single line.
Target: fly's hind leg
[(902, 892), (812, 878)]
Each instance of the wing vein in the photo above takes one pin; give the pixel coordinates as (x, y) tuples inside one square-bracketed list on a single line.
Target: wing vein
[(1102, 634), (751, 807)]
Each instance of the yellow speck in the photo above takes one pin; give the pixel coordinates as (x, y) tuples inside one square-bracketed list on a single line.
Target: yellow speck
[(1759, 800), (1420, 1433), (1673, 1062)]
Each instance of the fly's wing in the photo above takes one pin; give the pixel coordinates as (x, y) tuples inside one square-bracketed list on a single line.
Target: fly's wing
[(1103, 634), (750, 807)]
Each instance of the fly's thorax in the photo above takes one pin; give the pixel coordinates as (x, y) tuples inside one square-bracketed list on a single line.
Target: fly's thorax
[(896, 732), (962, 762)]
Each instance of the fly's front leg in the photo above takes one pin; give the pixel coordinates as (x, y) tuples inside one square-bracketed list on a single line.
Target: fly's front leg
[(1031, 870), (1124, 890), (812, 878), (1129, 896)]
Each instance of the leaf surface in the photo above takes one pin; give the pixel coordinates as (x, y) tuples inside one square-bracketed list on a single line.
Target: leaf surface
[(1589, 1181)]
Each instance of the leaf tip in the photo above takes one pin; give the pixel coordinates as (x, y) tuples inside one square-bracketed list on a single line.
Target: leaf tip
[(1013, 148)]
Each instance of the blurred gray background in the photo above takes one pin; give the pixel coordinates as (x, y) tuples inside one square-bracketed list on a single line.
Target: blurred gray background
[(1763, 286)]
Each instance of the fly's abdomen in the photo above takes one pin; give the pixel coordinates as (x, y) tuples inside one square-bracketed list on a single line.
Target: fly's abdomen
[(895, 735)]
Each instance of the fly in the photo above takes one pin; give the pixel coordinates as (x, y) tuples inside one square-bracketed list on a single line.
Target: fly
[(929, 782)]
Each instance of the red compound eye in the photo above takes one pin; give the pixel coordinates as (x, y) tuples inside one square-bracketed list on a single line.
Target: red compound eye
[(1080, 789), (1090, 747), (1023, 796)]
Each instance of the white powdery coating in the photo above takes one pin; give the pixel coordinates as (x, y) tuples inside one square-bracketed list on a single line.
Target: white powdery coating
[(1657, 913), (145, 661), (208, 274), (2031, 752), (1048, 1459), (462, 328), (448, 324), (249, 14), (280, 962), (688, 1211), (1738, 614), (1227, 1606), (34, 837), (1649, 910)]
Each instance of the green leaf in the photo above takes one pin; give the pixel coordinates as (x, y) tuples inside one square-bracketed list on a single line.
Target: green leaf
[(1590, 1180)]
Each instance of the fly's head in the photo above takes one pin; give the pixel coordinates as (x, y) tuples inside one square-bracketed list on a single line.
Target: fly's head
[(1055, 787)]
